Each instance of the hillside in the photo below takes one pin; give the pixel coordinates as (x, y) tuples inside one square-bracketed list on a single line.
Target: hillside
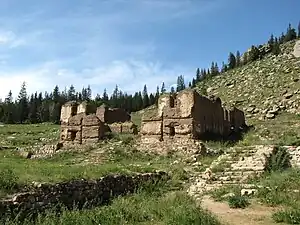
[(267, 90), (261, 88)]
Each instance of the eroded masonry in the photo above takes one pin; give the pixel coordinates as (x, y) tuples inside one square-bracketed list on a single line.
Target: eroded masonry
[(83, 123), (188, 115)]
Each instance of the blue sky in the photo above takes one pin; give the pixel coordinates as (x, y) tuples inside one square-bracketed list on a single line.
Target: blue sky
[(127, 42)]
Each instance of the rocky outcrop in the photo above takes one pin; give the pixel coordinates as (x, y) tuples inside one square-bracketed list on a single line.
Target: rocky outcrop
[(76, 193), (296, 51)]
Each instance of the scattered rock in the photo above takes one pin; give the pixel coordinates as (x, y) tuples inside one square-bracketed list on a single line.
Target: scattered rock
[(270, 116), (288, 95), (247, 192), (296, 51), (228, 195), (26, 154)]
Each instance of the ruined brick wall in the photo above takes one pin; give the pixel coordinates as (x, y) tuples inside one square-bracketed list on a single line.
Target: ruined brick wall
[(67, 111), (81, 193), (72, 130), (190, 115), (101, 113), (82, 128), (127, 128), (92, 129), (115, 115), (208, 116), (237, 118), (86, 108)]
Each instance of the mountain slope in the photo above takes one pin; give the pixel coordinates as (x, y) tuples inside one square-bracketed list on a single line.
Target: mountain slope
[(267, 90), (261, 88)]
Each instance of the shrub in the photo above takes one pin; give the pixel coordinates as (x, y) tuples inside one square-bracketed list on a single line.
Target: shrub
[(278, 161), (8, 179), (289, 216), (238, 202)]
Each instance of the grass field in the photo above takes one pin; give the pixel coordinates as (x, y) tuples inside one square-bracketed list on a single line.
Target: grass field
[(162, 205)]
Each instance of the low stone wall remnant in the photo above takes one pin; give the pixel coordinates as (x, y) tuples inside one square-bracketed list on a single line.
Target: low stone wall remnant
[(77, 193)]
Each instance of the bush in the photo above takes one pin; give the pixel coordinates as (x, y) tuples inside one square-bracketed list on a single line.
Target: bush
[(238, 202), (8, 179), (289, 216), (278, 161)]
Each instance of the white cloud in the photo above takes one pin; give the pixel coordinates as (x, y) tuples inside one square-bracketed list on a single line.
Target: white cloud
[(9, 39), (130, 76)]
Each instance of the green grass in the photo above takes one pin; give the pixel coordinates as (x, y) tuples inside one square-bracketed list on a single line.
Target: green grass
[(143, 208), (289, 216), (116, 155), (17, 135), (221, 194), (238, 201), (280, 188)]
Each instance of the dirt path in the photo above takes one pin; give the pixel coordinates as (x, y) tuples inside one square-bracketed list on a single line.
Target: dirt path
[(255, 214)]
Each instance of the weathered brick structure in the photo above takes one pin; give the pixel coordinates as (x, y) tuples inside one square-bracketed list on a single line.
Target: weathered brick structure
[(83, 123), (112, 115), (188, 115)]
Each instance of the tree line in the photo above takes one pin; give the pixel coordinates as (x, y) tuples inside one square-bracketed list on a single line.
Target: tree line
[(46, 107)]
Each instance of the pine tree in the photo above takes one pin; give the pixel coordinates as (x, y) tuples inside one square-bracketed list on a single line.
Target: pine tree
[(190, 84), (8, 109), (33, 109), (193, 83), (281, 39), (198, 75), (253, 54), (271, 40), (105, 96), (290, 34), (163, 89), (217, 69), (276, 47), (71, 94), (56, 94), (172, 90), (238, 58), (88, 93), (140, 101), (299, 30), (152, 99), (22, 104), (212, 69), (146, 101), (180, 83), (231, 61)]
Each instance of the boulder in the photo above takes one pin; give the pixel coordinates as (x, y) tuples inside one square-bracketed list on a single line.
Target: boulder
[(296, 51)]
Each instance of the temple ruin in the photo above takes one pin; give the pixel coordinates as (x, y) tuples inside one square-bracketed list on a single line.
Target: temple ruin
[(84, 123), (187, 116)]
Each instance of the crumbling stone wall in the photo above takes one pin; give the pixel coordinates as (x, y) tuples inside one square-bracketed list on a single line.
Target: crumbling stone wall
[(83, 123), (112, 115), (80, 193), (190, 115), (127, 127), (81, 129)]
